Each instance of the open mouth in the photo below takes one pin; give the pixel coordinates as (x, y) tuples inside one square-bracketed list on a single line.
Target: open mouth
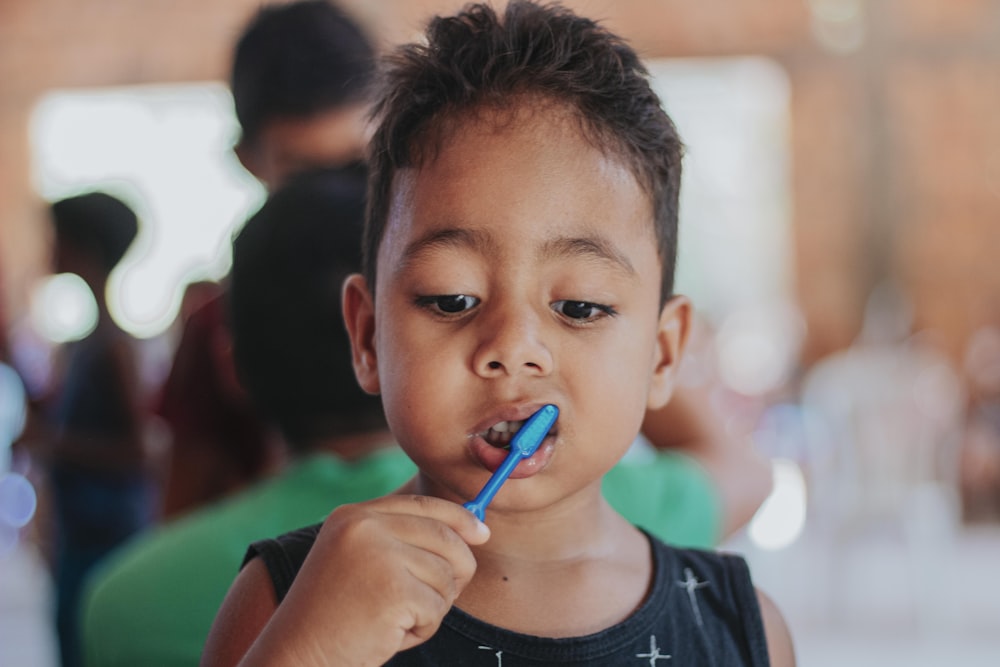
[(501, 433)]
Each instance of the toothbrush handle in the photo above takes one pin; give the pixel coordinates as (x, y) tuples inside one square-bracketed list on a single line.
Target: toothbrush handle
[(478, 506)]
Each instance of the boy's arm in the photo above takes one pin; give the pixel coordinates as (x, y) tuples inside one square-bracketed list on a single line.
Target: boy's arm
[(379, 579), (244, 612), (779, 640), (742, 476)]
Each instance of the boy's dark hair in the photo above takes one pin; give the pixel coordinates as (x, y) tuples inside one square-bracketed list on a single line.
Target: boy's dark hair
[(290, 345), (298, 59), (539, 54), (96, 223)]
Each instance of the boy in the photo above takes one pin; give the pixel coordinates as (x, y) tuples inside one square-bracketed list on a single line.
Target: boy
[(687, 500), (519, 252)]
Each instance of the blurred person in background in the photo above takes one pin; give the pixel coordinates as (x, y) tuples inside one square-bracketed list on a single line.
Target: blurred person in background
[(300, 80), (89, 433), (293, 356), (299, 77), (218, 442)]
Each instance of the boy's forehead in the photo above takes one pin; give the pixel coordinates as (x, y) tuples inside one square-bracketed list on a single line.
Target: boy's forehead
[(521, 162), (509, 132)]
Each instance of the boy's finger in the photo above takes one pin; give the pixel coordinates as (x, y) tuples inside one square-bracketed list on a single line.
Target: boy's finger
[(462, 521), (436, 573), (439, 540), (425, 619)]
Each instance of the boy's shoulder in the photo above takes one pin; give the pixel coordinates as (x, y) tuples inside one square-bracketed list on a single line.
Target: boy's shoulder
[(283, 555)]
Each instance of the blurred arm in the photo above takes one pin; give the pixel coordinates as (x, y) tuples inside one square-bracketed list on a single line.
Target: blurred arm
[(742, 476)]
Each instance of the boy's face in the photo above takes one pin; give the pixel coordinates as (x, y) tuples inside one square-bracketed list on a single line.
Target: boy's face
[(288, 146), (518, 268)]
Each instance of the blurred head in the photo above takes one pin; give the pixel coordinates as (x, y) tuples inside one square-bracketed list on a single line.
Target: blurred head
[(92, 230), (290, 345), (476, 64), (300, 76)]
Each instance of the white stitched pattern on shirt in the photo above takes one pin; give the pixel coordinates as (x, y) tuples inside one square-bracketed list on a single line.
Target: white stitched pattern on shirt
[(654, 652), (691, 584), (498, 654)]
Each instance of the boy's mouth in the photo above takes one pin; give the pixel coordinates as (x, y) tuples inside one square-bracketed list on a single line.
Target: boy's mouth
[(490, 445), (500, 434)]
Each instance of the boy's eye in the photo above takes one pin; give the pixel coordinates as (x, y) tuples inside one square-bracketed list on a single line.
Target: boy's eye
[(582, 310), (449, 304)]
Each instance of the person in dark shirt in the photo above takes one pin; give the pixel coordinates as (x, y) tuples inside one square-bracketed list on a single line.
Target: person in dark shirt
[(519, 252)]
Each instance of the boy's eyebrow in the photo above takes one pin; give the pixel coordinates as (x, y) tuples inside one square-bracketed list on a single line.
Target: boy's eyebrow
[(451, 237), (587, 246), (482, 242)]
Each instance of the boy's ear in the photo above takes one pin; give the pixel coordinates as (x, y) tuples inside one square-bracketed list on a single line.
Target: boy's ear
[(359, 317), (671, 338)]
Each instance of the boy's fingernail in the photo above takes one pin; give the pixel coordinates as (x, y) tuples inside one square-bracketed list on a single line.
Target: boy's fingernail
[(482, 528)]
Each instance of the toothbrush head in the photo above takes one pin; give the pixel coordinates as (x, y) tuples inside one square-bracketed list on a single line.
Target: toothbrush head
[(530, 436)]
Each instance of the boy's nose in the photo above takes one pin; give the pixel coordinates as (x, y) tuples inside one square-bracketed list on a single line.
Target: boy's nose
[(511, 345)]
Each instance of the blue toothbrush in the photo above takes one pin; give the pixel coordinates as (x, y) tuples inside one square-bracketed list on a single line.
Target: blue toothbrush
[(523, 445)]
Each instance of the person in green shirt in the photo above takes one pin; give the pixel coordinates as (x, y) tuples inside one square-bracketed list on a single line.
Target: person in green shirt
[(153, 602)]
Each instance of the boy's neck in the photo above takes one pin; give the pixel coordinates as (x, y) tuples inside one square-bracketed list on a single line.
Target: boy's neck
[(596, 569), (577, 527)]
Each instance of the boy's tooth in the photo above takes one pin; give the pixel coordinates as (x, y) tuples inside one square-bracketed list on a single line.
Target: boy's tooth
[(506, 427)]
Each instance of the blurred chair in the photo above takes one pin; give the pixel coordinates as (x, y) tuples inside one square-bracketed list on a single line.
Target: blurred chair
[(890, 408)]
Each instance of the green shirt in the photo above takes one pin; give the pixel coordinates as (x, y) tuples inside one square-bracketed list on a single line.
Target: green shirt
[(153, 601), (669, 494)]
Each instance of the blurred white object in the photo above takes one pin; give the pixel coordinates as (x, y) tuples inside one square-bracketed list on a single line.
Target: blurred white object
[(892, 410), (12, 411), (27, 636), (26, 613), (63, 308), (780, 520), (166, 150)]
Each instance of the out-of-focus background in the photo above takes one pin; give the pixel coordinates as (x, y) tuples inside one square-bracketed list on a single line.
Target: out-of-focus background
[(839, 236)]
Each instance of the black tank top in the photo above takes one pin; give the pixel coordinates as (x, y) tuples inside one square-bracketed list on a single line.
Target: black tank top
[(701, 611)]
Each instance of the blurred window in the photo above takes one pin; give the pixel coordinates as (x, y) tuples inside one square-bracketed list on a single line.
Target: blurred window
[(167, 151)]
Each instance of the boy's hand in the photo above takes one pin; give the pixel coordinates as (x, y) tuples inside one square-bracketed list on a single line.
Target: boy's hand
[(381, 576)]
